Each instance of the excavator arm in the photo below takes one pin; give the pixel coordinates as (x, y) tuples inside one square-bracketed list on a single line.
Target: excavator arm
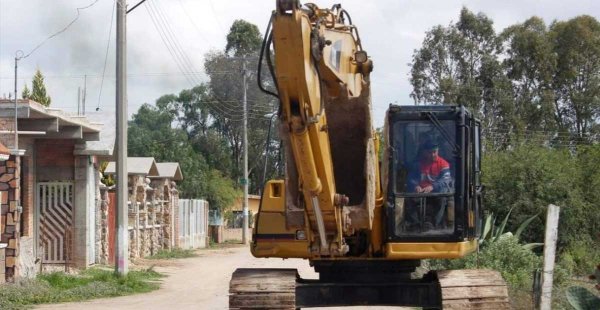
[(317, 55)]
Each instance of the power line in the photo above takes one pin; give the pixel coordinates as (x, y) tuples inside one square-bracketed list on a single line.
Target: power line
[(191, 20), (212, 8), (164, 40), (112, 15), (170, 41), (63, 30)]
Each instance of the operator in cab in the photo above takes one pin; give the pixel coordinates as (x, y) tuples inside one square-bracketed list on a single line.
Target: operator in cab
[(430, 173)]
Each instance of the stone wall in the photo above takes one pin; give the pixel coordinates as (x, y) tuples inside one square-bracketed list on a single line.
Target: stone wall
[(102, 248), (11, 212), (152, 217)]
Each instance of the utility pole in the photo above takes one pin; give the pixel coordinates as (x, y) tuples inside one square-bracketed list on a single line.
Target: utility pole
[(122, 238), (245, 182), (267, 147), (16, 143)]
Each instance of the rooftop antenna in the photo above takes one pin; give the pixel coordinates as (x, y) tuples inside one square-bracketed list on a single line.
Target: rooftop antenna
[(84, 94)]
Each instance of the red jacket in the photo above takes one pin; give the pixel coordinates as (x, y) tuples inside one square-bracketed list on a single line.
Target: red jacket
[(433, 172)]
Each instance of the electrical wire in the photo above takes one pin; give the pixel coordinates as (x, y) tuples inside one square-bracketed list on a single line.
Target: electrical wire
[(212, 8), (61, 31), (112, 16)]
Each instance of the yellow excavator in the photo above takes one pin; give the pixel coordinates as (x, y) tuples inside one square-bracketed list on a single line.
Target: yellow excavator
[(362, 211)]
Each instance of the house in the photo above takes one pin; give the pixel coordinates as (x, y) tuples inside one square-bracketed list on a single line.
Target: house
[(235, 222), (48, 188)]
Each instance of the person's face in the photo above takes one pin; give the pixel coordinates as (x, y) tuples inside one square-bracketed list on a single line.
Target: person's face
[(431, 155)]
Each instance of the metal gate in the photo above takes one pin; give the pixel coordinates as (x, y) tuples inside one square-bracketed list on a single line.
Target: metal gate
[(55, 221), (193, 222)]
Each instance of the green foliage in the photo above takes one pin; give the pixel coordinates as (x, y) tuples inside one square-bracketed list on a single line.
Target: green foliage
[(515, 262), (38, 91), (528, 179), (107, 180), (576, 43), (529, 80), (458, 64), (26, 93), (580, 256), (173, 254), (243, 39), (492, 233), (224, 97), (60, 287), (151, 134), (582, 299)]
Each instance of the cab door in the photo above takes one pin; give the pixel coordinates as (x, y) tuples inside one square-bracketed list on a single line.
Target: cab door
[(477, 187)]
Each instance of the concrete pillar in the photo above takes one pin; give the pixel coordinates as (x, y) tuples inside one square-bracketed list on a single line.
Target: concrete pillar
[(81, 213)]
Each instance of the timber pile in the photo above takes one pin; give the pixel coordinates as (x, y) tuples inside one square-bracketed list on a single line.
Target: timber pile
[(263, 289), (473, 289)]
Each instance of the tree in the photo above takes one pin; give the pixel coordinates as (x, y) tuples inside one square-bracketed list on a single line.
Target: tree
[(151, 134), (26, 93), (243, 39), (458, 64), (224, 99), (38, 90), (576, 43), (530, 63)]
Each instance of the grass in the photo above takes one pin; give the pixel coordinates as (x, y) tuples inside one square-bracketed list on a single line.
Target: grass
[(173, 254), (58, 287)]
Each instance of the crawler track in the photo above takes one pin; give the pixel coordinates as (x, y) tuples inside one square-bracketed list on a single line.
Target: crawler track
[(277, 289), (473, 289)]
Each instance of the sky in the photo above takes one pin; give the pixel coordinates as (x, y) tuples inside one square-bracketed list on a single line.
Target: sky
[(390, 32)]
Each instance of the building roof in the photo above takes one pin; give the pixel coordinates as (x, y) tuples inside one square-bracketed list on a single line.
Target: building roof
[(145, 166), (169, 171), (106, 144), (43, 122)]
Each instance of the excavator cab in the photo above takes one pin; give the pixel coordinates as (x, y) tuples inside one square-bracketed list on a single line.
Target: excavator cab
[(433, 192)]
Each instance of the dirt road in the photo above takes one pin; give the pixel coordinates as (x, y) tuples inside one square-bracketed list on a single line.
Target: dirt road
[(195, 283)]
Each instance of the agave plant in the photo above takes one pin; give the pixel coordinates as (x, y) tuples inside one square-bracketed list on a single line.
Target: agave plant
[(492, 233), (582, 299)]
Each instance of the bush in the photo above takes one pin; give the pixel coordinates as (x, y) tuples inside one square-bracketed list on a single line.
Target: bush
[(515, 262), (580, 256), (529, 178)]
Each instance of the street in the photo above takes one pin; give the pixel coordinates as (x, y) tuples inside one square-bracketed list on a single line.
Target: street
[(196, 283)]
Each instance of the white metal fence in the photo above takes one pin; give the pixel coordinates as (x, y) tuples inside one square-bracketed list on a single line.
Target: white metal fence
[(193, 223)]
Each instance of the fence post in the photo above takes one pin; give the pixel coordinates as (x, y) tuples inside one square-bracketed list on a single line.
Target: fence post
[(549, 253)]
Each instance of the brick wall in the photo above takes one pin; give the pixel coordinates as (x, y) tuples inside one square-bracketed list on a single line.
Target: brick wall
[(55, 160), (7, 139), (28, 188)]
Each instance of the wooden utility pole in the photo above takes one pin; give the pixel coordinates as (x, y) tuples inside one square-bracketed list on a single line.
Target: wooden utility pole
[(122, 214), (549, 255)]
